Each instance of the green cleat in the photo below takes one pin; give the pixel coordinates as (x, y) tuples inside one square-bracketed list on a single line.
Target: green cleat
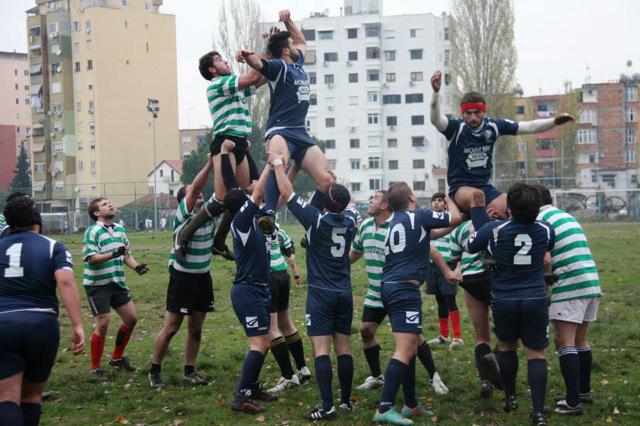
[(391, 417), (417, 411)]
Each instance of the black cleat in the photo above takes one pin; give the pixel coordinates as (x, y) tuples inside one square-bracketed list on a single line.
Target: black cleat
[(260, 394), (122, 363), (563, 408), (155, 381), (196, 379), (511, 404), (245, 404), (486, 389), (585, 398), (319, 414), (490, 364), (538, 419), (97, 375)]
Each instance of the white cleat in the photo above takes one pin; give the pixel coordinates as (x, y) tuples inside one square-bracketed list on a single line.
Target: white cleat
[(456, 343), (284, 384), (440, 340), (438, 385), (371, 383), (304, 375)]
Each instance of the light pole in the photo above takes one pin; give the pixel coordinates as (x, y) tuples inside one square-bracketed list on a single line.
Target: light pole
[(153, 106)]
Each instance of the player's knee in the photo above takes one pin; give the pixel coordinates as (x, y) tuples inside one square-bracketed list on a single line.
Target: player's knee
[(196, 334), (477, 198), (131, 322), (367, 333)]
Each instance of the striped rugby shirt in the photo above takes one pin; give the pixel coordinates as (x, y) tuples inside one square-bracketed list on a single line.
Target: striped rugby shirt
[(100, 239), (471, 263), (278, 262), (370, 240), (571, 258), (199, 248), (228, 106), (443, 245)]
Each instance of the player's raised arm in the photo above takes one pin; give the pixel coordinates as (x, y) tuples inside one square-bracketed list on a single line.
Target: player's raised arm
[(258, 191), (543, 124), (299, 41), (194, 190), (284, 185), (438, 119), (251, 59)]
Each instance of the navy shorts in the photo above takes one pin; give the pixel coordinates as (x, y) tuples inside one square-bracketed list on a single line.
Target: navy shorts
[(298, 141), (251, 305), (437, 283), (28, 343), (490, 192), (527, 320), (403, 303), (328, 312)]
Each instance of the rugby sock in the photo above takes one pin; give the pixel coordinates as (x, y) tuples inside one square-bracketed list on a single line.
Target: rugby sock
[(395, 375), (254, 173), (586, 359), (228, 177), (189, 369), (455, 323), (317, 199), (479, 216), (424, 355), (443, 309), (444, 326), (281, 354), (294, 342), (10, 414), (570, 368), (324, 378), (271, 193), (250, 371), (508, 363), (155, 368), (345, 376), (537, 373), (122, 338), (97, 349), (31, 413), (481, 350), (373, 359), (409, 385)]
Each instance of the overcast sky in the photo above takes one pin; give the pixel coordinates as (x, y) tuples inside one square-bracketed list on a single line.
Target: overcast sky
[(556, 39)]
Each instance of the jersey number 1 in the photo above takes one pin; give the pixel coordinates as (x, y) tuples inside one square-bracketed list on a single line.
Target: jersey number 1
[(14, 270), (522, 257)]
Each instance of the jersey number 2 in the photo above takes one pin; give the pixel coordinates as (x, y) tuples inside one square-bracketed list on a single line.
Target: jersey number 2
[(14, 270), (522, 257)]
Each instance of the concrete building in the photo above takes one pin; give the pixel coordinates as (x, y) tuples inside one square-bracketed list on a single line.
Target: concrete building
[(370, 94), (93, 65), (167, 177), (190, 139)]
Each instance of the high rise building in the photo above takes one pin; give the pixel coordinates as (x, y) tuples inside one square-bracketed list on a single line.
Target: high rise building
[(93, 66)]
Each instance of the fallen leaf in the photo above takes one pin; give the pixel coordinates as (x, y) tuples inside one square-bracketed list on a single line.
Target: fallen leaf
[(434, 419), (122, 420), (609, 420), (222, 402), (604, 382), (260, 419), (615, 410)]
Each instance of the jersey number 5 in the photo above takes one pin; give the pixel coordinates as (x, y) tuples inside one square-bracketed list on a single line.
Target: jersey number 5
[(14, 270), (522, 257), (339, 243)]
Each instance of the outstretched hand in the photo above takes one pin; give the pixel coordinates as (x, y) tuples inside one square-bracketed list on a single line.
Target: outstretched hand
[(273, 157), (267, 35), (436, 81), (239, 57), (284, 15), (563, 118)]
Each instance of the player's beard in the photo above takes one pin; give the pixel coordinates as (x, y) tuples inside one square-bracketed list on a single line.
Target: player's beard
[(109, 216), (293, 55)]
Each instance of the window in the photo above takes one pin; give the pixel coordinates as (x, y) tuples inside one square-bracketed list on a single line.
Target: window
[(313, 99), (417, 141), (17, 101), (353, 55), (76, 27), (418, 164), (78, 106), (312, 77), (353, 77), (391, 99), (124, 3), (87, 25), (372, 30), (309, 35), (632, 115), (325, 35), (59, 186), (389, 55), (354, 100), (352, 33), (332, 164), (392, 120), (330, 144), (520, 109), (89, 64), (630, 156), (373, 118), (91, 107), (414, 98), (585, 136), (373, 53), (89, 45), (374, 162), (373, 75), (161, 173), (330, 122), (375, 184), (393, 164), (331, 56), (354, 143), (77, 67), (416, 76), (56, 87), (147, 5), (390, 77), (630, 135), (328, 79), (447, 57), (146, 46), (90, 85), (544, 144), (373, 141), (372, 96), (415, 32), (92, 127), (588, 116), (446, 33), (56, 108), (355, 186), (392, 143), (57, 148), (415, 53), (355, 164), (631, 94), (310, 57), (419, 185), (417, 120)]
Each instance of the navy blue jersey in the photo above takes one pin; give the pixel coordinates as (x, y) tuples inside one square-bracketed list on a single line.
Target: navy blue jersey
[(329, 235), (253, 251), (407, 244), (470, 151), (28, 262), (290, 95), (519, 250)]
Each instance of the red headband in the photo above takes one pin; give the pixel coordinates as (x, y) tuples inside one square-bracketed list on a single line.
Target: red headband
[(473, 105)]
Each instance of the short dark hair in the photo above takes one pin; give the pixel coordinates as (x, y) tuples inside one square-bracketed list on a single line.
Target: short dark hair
[(337, 198), (398, 196), (20, 211), (474, 97), (524, 202), (93, 206), (545, 194), (437, 195), (385, 195), (277, 42), (182, 192), (206, 62)]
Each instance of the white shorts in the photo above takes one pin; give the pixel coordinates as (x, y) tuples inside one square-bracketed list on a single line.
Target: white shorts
[(576, 310)]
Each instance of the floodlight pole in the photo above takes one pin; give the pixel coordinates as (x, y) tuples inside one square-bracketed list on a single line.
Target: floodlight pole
[(153, 106)]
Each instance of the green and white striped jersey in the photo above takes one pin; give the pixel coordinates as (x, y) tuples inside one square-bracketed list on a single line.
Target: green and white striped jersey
[(199, 248), (370, 240), (571, 258), (3, 223), (471, 263), (278, 262), (99, 239), (443, 245), (228, 106)]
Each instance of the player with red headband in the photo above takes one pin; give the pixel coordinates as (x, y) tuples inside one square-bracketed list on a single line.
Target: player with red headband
[(470, 147)]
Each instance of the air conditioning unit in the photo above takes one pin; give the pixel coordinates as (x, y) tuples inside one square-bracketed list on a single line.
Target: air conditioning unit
[(93, 171), (330, 107), (58, 113), (352, 128), (53, 34), (52, 134), (88, 30), (330, 85), (385, 85), (412, 83), (392, 127), (325, 64), (349, 63), (365, 167), (91, 111)]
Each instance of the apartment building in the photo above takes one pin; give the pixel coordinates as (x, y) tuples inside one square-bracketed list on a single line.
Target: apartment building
[(190, 139), (93, 66)]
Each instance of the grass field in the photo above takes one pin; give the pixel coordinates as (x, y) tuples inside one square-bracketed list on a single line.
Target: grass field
[(127, 398)]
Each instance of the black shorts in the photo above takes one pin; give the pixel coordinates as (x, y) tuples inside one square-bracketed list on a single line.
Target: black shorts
[(478, 286), (189, 292), (28, 343), (376, 315), (527, 320), (279, 287), (437, 283), (104, 297), (240, 150)]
